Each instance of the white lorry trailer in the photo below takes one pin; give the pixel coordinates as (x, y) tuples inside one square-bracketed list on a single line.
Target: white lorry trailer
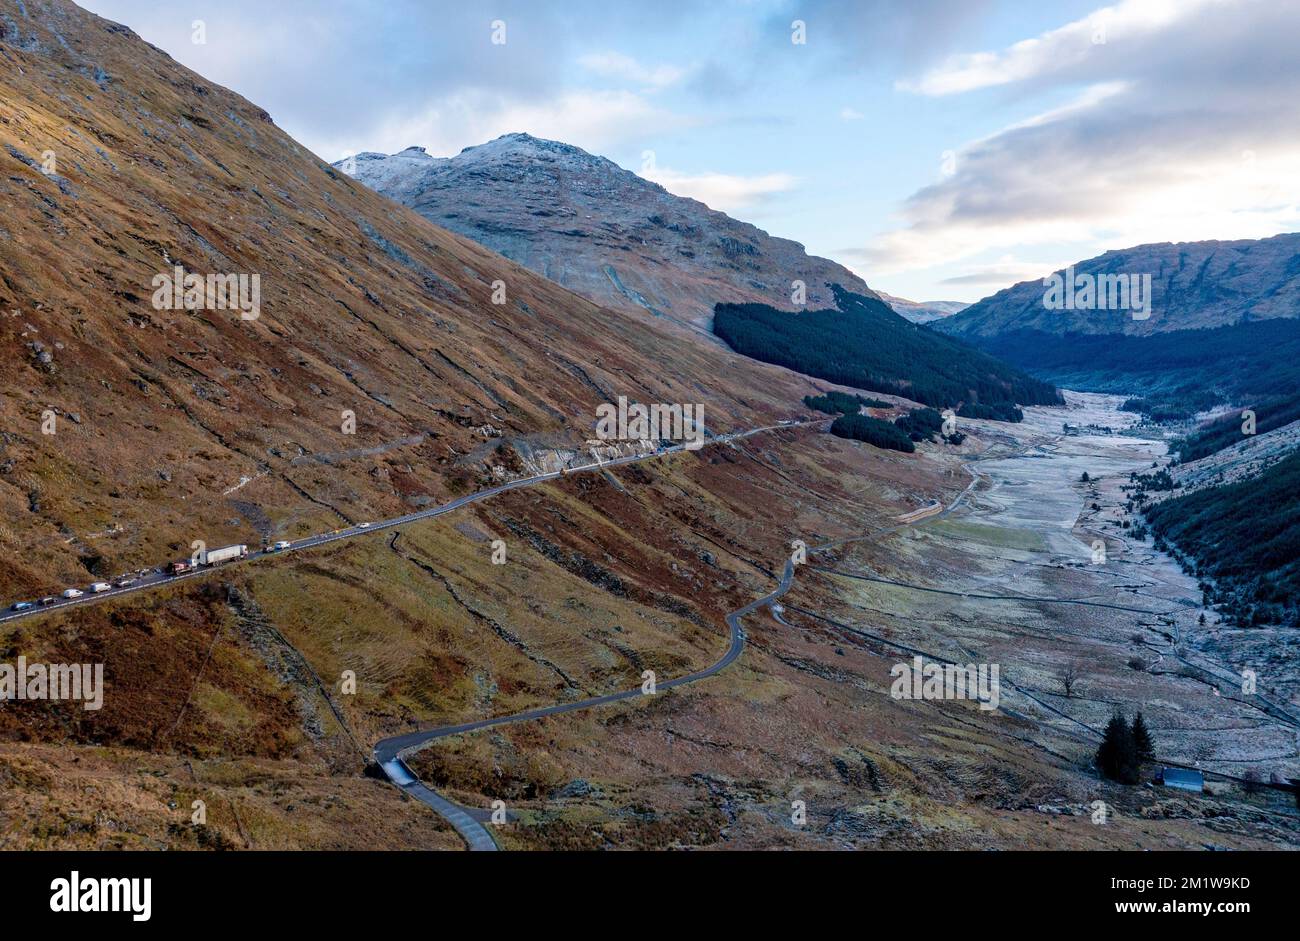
[(226, 554)]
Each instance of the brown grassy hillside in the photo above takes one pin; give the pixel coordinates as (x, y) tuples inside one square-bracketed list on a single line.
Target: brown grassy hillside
[(365, 306), (176, 425)]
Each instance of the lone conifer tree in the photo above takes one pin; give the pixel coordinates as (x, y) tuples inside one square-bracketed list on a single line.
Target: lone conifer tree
[(1146, 749), (1117, 756)]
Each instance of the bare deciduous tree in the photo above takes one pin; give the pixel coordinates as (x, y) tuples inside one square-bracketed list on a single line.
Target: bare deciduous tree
[(1068, 675)]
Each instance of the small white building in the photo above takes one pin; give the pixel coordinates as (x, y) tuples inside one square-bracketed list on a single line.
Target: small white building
[(1182, 778)]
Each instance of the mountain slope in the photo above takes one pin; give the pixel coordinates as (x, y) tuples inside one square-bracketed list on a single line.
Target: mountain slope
[(599, 230), (1245, 537), (1194, 284), (172, 425), (1197, 368), (1224, 327), (175, 425)]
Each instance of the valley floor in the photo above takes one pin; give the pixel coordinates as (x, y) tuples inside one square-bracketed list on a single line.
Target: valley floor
[(967, 588), (798, 744)]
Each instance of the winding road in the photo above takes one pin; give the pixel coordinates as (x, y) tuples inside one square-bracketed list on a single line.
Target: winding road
[(156, 578), (388, 753), (469, 822)]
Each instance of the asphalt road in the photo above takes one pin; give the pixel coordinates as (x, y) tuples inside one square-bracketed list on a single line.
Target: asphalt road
[(388, 752), (469, 821), (155, 578)]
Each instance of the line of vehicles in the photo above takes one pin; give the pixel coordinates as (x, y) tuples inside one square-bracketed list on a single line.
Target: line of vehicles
[(219, 556), (208, 559), (95, 588), (225, 554), (215, 557), (212, 558)]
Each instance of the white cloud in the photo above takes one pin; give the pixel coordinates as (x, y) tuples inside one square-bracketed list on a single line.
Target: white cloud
[(597, 121), (1005, 272), (851, 114), (1185, 130), (1106, 33), (619, 66), (726, 192)]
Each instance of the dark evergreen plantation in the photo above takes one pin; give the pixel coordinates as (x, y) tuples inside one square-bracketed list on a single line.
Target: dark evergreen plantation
[(920, 424), (874, 431), (1177, 374), (1246, 537), (999, 411), (1221, 433), (865, 344), (841, 403)]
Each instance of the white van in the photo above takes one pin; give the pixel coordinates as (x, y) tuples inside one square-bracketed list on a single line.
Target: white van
[(73, 593), (100, 586)]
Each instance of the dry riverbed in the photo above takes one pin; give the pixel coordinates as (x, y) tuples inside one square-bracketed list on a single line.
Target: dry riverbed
[(1121, 616)]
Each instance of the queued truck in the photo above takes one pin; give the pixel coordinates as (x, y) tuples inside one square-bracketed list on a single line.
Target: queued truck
[(213, 557)]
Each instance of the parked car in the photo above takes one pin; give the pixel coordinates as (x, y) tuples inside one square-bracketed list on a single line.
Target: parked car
[(21, 606), (73, 593), (100, 586), (47, 600), (280, 546)]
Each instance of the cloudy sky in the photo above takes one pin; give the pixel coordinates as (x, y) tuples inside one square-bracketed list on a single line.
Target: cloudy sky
[(942, 149)]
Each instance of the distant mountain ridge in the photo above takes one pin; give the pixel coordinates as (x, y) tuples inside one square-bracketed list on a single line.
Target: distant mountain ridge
[(1195, 285), (599, 230), (922, 311)]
